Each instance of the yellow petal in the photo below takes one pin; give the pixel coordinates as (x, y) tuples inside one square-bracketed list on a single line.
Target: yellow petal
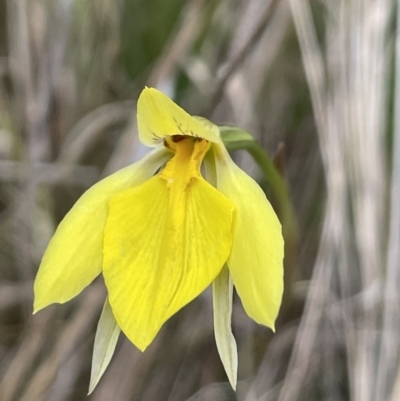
[(162, 248), (105, 341), (256, 260), (74, 255), (159, 117), (222, 305)]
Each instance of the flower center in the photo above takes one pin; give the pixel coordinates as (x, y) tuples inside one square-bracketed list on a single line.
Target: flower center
[(186, 163)]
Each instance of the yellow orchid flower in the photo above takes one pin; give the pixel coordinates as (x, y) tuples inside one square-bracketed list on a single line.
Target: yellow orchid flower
[(161, 234)]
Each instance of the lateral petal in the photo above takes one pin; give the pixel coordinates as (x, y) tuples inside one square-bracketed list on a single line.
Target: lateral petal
[(256, 260), (74, 255), (222, 305), (163, 252), (105, 341), (159, 117)]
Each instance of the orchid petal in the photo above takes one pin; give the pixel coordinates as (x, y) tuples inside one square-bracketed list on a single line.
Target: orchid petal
[(222, 305), (105, 341), (162, 248), (74, 255), (159, 117), (256, 259)]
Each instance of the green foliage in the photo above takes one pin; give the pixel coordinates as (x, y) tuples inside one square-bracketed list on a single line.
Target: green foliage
[(145, 29)]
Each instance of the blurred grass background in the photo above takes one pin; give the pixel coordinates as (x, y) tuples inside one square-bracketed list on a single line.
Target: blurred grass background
[(316, 82)]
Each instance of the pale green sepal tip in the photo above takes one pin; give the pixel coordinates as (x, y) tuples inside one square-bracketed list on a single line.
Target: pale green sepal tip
[(222, 305), (104, 345), (222, 302), (231, 135)]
